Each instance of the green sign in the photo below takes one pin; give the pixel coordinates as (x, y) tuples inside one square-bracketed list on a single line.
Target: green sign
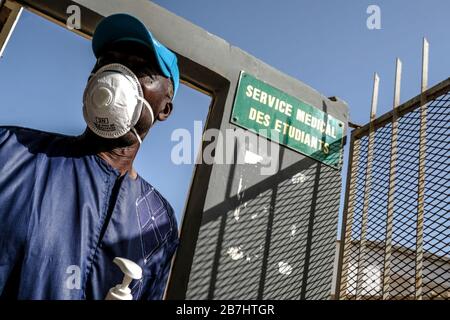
[(274, 114)]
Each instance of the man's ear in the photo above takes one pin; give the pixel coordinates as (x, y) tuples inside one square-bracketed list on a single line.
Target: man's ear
[(165, 112)]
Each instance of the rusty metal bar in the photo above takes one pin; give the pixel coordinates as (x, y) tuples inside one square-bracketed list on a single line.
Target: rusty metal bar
[(391, 193), (347, 223), (421, 176), (10, 11), (353, 125), (368, 184)]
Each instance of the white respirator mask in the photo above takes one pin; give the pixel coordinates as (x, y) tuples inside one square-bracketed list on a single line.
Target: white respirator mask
[(113, 101)]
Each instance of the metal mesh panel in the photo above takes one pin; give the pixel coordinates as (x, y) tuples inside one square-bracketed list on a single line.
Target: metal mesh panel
[(437, 202), (280, 244), (366, 249)]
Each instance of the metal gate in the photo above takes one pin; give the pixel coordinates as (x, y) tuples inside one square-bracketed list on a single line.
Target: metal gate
[(396, 226)]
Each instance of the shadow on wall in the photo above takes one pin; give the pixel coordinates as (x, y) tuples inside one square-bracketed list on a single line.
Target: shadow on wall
[(274, 240)]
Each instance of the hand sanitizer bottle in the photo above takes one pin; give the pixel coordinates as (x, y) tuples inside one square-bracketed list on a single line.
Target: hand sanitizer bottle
[(131, 271)]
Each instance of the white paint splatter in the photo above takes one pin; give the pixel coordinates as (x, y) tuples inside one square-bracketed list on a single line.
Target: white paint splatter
[(293, 230), (252, 158), (256, 214), (265, 210), (237, 211), (284, 268), (250, 257), (299, 178), (235, 253), (239, 185)]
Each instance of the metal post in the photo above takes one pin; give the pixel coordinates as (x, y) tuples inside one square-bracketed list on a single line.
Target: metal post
[(368, 183), (347, 223), (391, 193), (421, 177)]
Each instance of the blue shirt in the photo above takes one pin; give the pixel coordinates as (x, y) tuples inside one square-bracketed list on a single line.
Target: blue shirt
[(65, 215)]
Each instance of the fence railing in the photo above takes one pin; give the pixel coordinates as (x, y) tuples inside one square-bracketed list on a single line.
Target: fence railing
[(396, 225)]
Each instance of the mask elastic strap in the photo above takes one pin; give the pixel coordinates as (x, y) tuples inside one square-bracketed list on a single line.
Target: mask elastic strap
[(148, 107), (151, 112), (137, 135)]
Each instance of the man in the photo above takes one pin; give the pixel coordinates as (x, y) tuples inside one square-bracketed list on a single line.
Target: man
[(70, 205)]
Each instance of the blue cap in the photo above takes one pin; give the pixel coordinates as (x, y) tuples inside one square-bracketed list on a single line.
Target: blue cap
[(125, 27)]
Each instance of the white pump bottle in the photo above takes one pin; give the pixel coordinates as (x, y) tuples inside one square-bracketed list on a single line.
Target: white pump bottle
[(131, 271)]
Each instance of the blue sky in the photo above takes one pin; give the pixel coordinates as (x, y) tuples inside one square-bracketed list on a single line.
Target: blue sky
[(324, 43)]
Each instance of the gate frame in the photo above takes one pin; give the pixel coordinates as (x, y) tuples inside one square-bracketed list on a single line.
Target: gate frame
[(216, 74)]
